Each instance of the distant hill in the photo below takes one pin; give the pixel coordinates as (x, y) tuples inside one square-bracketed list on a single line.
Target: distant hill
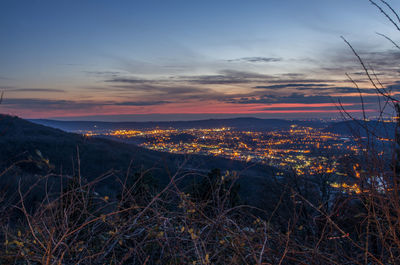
[(24, 140), (360, 128), (239, 123)]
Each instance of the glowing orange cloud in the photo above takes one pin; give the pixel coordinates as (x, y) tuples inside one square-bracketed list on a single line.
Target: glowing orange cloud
[(189, 108)]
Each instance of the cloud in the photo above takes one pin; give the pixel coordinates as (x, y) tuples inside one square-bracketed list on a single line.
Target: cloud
[(130, 80), (227, 77), (140, 103), (175, 93), (281, 80), (102, 73), (33, 103), (51, 90), (382, 63), (256, 59), (393, 87), (52, 104), (297, 98), (302, 108), (165, 89), (388, 58), (223, 77), (304, 90), (162, 89), (316, 88), (244, 77), (298, 86)]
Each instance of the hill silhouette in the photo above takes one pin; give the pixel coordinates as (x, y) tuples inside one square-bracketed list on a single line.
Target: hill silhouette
[(359, 128), (248, 123)]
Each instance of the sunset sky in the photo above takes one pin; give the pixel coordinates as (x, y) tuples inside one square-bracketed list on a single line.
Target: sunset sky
[(170, 59)]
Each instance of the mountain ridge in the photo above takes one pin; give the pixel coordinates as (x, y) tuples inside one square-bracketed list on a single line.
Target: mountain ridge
[(250, 123)]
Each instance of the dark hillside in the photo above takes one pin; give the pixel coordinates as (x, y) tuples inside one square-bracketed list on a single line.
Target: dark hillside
[(362, 128)]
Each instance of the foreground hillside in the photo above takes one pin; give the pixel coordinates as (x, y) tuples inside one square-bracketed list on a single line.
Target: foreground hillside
[(69, 199), (54, 190)]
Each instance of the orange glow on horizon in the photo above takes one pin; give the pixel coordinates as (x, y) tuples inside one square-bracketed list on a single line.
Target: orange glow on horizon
[(64, 114), (208, 107)]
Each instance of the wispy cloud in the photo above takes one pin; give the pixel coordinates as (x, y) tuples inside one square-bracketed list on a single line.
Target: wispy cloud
[(297, 86), (285, 88), (51, 104), (103, 73), (129, 80), (316, 88), (49, 90), (228, 77), (297, 98), (381, 63), (256, 59)]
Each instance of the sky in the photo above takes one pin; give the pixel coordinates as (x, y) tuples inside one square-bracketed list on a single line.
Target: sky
[(187, 59)]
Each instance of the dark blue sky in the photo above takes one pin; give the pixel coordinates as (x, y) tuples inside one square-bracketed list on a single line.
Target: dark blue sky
[(275, 58)]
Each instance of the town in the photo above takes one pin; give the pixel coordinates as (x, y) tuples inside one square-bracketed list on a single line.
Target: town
[(305, 150)]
